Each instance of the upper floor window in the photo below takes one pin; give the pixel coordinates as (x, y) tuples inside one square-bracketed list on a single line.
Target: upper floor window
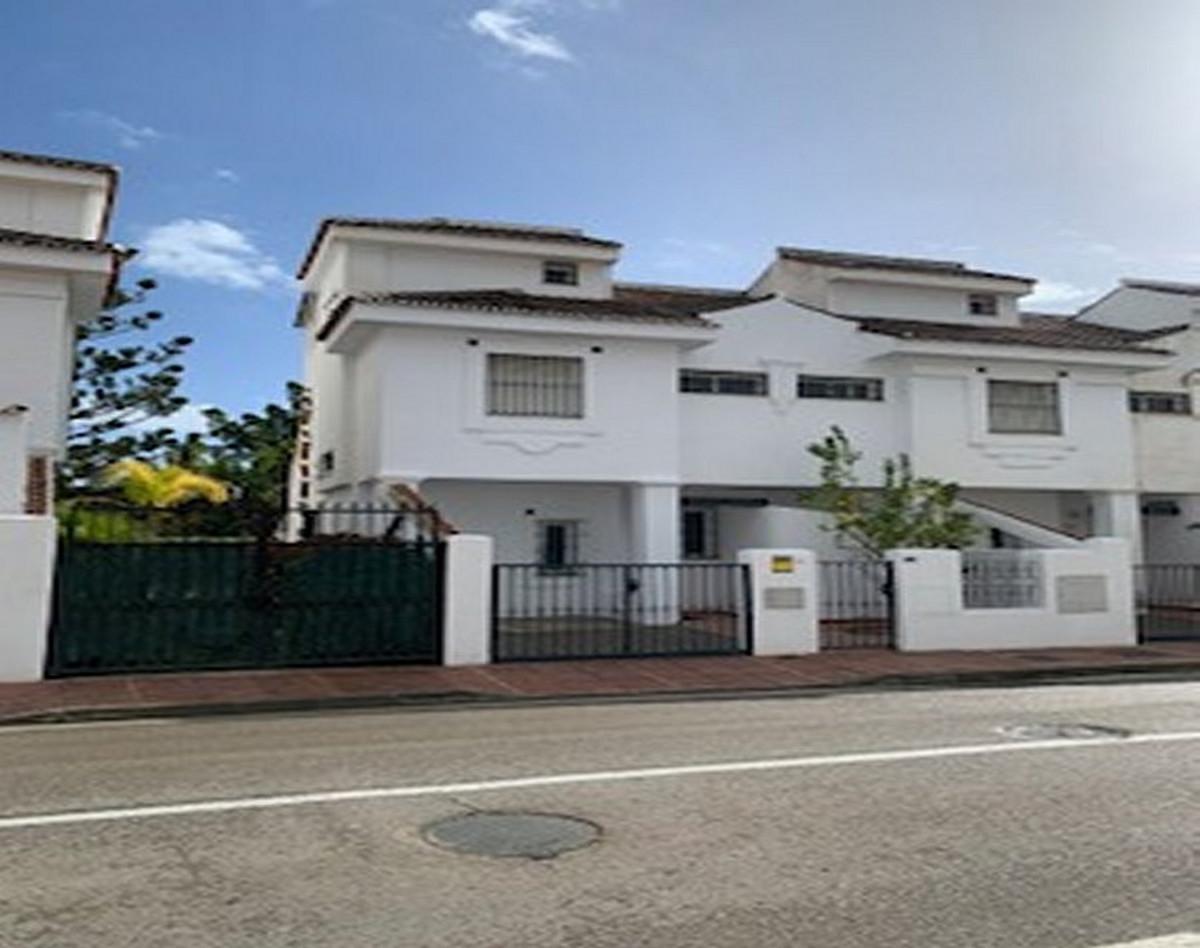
[(1161, 403), (839, 386), (560, 273), (719, 382), (1023, 407), (540, 386), (982, 304)]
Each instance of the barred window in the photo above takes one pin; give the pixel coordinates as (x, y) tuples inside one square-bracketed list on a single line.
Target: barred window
[(1023, 407), (719, 382), (560, 273), (837, 386), (1161, 403), (982, 304), (558, 545), (541, 386), (700, 534)]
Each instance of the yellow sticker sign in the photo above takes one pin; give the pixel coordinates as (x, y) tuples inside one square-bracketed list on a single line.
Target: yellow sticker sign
[(783, 564)]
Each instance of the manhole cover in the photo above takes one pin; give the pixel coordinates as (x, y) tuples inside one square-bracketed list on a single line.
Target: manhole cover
[(530, 835), (1051, 731)]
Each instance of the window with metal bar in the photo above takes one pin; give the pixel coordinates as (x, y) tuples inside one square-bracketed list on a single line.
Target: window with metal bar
[(536, 386), (722, 382), (983, 304), (837, 386), (560, 273), (1161, 403), (1023, 407), (558, 545), (700, 534)]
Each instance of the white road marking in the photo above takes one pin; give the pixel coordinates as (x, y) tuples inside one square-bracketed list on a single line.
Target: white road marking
[(1182, 940), (7, 729), (237, 804)]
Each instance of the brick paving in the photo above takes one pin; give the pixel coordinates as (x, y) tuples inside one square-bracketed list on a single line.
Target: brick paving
[(149, 694)]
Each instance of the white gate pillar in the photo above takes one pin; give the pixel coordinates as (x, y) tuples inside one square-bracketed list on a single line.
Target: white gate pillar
[(26, 582), (783, 601), (467, 602)]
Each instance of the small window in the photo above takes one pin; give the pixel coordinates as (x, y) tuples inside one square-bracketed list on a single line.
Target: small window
[(1023, 407), (700, 534), (1160, 403), (534, 386), (982, 304), (325, 463), (836, 386), (558, 545), (710, 382), (560, 273)]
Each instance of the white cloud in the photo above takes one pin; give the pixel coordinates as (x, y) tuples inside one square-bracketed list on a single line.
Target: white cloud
[(510, 27), (1057, 294), (228, 174), (209, 252), (127, 134), (188, 420)]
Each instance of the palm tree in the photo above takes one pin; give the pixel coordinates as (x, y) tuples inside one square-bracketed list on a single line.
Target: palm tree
[(144, 484)]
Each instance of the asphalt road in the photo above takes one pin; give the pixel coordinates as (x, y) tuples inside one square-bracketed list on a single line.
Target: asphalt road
[(889, 819)]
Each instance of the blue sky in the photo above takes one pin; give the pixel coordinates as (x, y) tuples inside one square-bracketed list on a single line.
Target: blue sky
[(1057, 138)]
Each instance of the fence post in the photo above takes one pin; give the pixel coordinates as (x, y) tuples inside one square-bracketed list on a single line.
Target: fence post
[(783, 600), (26, 588), (467, 602), (926, 595)]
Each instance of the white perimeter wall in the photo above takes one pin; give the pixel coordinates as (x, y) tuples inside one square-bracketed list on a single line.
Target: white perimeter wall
[(26, 579), (1087, 601)]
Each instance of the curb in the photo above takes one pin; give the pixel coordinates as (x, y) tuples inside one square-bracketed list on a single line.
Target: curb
[(452, 700)]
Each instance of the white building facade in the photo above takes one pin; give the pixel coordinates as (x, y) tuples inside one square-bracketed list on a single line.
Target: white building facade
[(56, 269), (502, 372)]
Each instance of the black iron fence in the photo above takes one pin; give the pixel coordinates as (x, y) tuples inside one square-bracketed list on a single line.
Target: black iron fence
[(855, 604), (1168, 601), (612, 610), (143, 589)]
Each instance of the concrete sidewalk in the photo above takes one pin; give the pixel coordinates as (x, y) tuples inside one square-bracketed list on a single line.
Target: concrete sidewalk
[(223, 692)]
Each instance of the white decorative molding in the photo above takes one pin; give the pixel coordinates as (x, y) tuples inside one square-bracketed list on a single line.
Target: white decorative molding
[(781, 383), (534, 444), (1026, 457)]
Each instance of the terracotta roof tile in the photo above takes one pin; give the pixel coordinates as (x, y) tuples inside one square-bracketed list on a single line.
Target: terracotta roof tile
[(1036, 329), (866, 261), (657, 307), (24, 238), (53, 161)]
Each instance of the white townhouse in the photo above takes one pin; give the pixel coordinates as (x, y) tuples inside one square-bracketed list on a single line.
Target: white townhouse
[(56, 268), (502, 372), (1165, 404)]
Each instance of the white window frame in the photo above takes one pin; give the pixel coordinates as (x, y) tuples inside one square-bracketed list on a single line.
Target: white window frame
[(575, 403), (1049, 385), (569, 267), (990, 308), (531, 433), (980, 433), (716, 375), (572, 543), (712, 536)]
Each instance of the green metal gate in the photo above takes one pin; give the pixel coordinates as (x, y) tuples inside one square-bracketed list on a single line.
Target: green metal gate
[(190, 604)]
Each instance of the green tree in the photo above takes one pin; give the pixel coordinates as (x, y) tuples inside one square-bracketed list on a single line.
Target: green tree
[(251, 452), (119, 387), (148, 485), (906, 511)]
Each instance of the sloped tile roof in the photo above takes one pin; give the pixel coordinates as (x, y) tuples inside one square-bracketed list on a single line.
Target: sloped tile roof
[(654, 306), (445, 225), (867, 261), (1041, 330), (53, 161), (24, 238), (1164, 286)]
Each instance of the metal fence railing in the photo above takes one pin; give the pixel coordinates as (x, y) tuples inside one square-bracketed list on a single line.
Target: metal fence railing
[(1168, 601), (1002, 579), (855, 604), (598, 610)]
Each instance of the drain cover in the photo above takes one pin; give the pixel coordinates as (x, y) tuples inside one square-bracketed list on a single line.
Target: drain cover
[(1052, 731), (528, 835)]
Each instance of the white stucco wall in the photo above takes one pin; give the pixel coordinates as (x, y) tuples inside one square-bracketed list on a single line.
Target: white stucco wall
[(734, 439), (72, 205), (27, 546), (937, 304), (509, 513), (432, 410), (382, 266), (36, 338), (950, 436)]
